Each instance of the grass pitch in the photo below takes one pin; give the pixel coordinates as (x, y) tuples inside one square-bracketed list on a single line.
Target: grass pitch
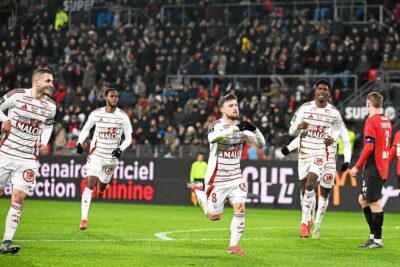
[(144, 235)]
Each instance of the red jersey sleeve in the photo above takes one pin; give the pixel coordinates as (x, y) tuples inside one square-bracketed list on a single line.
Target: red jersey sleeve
[(369, 129)]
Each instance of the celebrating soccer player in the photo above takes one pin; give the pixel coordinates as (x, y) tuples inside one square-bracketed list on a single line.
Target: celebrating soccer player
[(105, 147), (375, 159), (318, 124), (326, 180), (224, 179), (25, 131)]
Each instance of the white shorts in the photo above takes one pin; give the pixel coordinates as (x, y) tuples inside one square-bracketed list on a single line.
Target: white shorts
[(21, 173), (217, 196), (312, 164), (327, 178), (101, 168)]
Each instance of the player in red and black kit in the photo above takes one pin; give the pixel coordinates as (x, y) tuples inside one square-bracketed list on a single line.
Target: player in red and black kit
[(375, 160), (395, 152)]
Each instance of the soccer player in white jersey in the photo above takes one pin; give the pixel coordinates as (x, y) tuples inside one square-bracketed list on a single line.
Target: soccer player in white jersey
[(315, 122), (224, 181), (105, 148), (327, 178), (25, 130)]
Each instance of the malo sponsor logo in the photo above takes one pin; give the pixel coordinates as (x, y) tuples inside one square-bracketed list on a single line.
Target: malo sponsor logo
[(314, 134), (231, 154), (28, 128), (110, 134)]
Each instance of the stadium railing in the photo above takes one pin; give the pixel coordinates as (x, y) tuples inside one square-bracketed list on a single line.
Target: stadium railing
[(259, 81), (347, 11)]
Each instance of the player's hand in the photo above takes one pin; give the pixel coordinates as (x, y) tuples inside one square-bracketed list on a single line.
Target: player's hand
[(6, 127), (117, 153), (329, 141), (285, 151), (245, 125), (43, 148), (353, 171), (345, 166), (79, 148), (303, 125)]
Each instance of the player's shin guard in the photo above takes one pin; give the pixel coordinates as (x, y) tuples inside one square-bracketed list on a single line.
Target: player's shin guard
[(377, 221), (86, 199), (322, 205), (12, 221), (309, 197), (237, 228)]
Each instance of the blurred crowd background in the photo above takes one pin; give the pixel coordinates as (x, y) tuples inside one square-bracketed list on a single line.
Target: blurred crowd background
[(134, 46)]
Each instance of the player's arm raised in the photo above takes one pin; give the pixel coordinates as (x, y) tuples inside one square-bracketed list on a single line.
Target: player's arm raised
[(215, 135), (85, 132), (255, 137)]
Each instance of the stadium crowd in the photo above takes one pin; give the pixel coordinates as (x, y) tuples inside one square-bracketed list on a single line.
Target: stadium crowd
[(136, 58)]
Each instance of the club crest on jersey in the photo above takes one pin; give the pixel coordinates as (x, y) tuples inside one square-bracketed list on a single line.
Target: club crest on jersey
[(28, 175), (328, 178), (109, 169), (110, 134), (318, 161)]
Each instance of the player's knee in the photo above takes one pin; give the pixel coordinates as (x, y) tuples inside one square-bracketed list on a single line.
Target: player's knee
[(91, 183), (1, 191), (214, 217), (363, 203), (376, 206), (239, 208), (325, 192), (18, 198)]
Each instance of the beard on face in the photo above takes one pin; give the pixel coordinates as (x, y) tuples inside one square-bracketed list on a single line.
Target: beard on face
[(233, 116)]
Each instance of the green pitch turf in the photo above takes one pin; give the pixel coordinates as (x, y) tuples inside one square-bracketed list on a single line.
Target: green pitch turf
[(125, 235)]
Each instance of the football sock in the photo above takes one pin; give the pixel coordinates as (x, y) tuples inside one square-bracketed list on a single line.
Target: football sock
[(368, 217), (86, 198), (309, 197), (377, 221), (237, 228), (322, 205), (301, 198), (12, 221), (202, 199)]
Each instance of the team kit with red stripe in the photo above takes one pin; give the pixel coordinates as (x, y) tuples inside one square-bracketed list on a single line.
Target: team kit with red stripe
[(313, 155), (107, 136), (31, 125)]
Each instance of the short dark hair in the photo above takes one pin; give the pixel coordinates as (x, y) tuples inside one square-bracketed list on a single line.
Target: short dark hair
[(376, 99), (324, 82), (109, 90), (41, 71), (226, 98)]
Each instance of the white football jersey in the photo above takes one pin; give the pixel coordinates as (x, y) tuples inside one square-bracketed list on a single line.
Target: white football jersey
[(224, 161), (28, 117), (108, 131), (343, 134), (323, 122)]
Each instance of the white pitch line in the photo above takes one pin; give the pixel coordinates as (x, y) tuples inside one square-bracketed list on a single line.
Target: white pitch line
[(164, 235)]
